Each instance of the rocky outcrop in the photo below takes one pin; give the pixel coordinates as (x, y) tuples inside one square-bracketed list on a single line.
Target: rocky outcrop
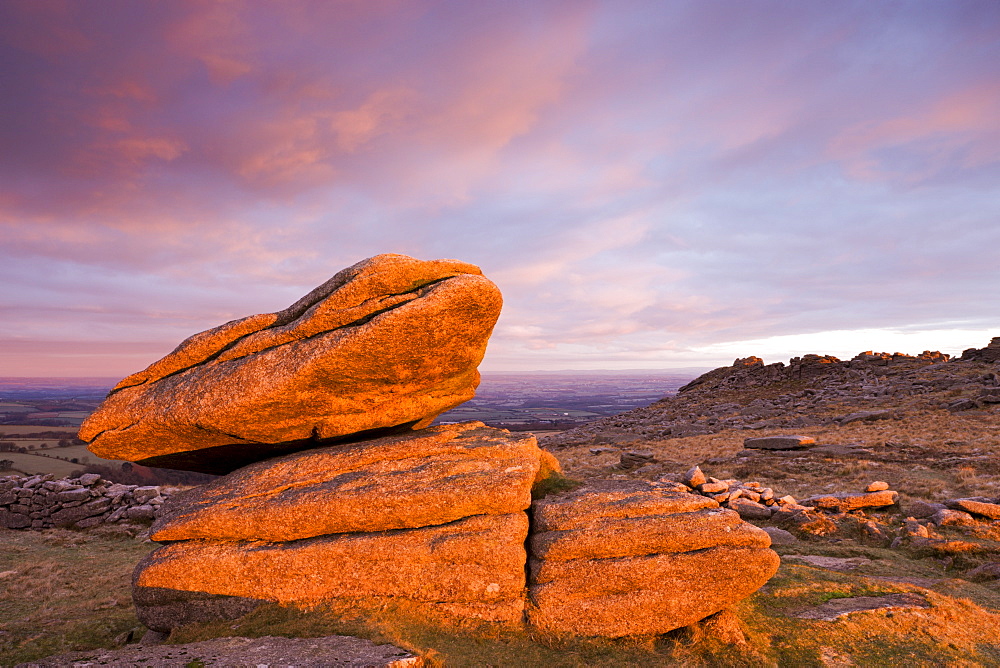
[(631, 557), (471, 567), (336, 492), (811, 390), (991, 353), (388, 343), (435, 517), (44, 502)]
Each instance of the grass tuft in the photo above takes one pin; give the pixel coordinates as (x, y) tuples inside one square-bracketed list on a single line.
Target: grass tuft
[(555, 483)]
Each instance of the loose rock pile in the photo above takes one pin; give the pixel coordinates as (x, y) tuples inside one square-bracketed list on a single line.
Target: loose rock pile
[(336, 492), (753, 501), (829, 513), (42, 502)]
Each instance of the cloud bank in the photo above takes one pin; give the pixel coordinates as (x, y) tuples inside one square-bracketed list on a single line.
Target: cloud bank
[(651, 184)]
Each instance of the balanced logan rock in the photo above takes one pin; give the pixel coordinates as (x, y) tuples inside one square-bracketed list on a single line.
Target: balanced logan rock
[(386, 344)]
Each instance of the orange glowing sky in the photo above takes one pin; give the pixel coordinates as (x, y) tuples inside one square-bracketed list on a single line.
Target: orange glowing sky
[(651, 184)]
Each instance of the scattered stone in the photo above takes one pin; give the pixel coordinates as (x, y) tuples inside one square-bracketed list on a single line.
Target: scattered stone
[(839, 607), (840, 450), (668, 485), (946, 517), (866, 416), (874, 533), (812, 523), (779, 442), (710, 488), (921, 509), (988, 571), (914, 529), (780, 536), (266, 651), (750, 510), (877, 486), (388, 343), (962, 405), (847, 501), (977, 506), (694, 477), (634, 458)]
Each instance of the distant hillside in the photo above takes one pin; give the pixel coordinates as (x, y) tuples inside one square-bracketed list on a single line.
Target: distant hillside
[(809, 391)]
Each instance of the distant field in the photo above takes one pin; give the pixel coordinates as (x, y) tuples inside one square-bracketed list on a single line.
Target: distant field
[(49, 443), (37, 461), (32, 464), (79, 451), (18, 429)]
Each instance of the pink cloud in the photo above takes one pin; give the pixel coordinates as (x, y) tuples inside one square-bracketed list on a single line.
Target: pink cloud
[(103, 359), (48, 28), (215, 34), (958, 130), (380, 114)]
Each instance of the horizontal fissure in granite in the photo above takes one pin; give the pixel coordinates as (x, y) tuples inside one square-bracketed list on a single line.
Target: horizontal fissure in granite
[(477, 560), (649, 594), (620, 558), (422, 478)]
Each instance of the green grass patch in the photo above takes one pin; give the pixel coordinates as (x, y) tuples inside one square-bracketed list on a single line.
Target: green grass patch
[(64, 590), (555, 483)]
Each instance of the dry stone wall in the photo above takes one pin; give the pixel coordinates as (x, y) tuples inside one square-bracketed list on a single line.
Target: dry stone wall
[(44, 502)]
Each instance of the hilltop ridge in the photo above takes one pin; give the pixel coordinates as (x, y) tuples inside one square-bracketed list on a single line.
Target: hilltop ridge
[(809, 391)]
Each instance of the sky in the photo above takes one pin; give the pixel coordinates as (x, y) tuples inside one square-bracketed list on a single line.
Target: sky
[(653, 184)]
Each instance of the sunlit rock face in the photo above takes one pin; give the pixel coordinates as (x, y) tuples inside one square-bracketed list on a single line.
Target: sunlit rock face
[(632, 557), (430, 477), (434, 518), (473, 567), (385, 345)]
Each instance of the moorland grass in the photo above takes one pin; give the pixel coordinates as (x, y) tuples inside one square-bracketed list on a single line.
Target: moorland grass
[(64, 590), (68, 590)]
